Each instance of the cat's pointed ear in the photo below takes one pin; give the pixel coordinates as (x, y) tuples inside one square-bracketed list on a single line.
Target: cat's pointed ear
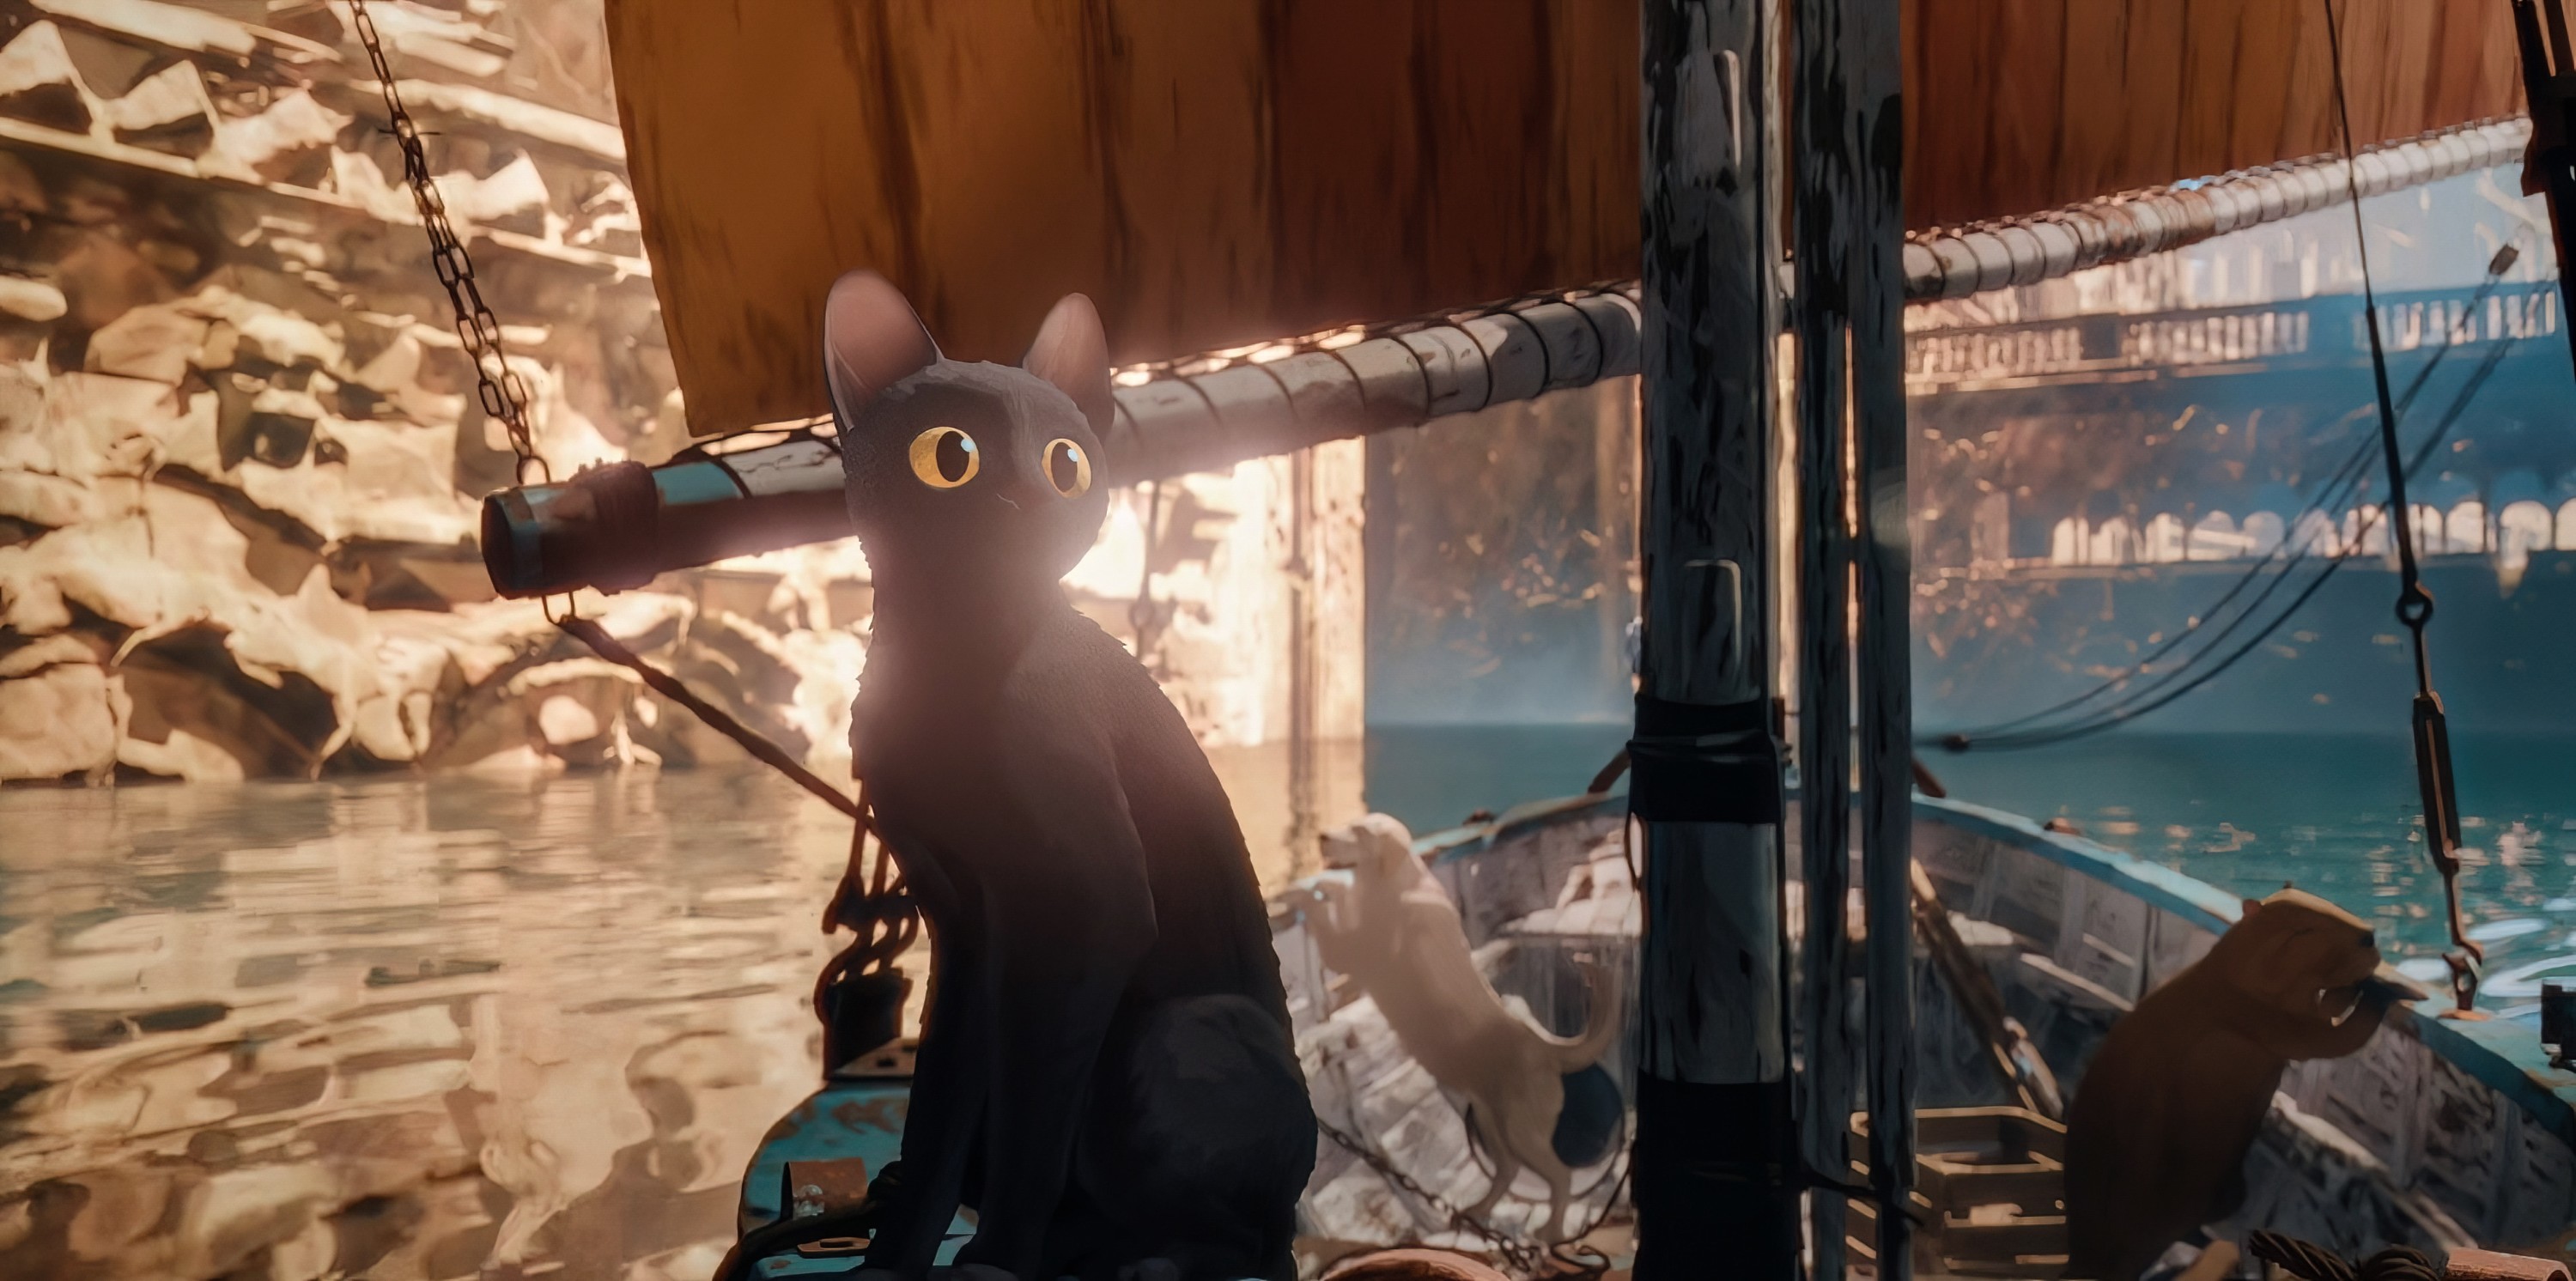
[(871, 339), (1073, 353)]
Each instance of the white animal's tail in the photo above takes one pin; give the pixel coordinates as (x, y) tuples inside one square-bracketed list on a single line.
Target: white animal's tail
[(1602, 1022)]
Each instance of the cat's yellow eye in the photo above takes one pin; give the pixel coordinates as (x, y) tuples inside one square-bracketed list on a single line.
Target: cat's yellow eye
[(1068, 468), (944, 458)]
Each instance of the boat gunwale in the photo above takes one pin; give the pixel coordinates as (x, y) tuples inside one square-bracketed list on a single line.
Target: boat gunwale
[(2502, 1054)]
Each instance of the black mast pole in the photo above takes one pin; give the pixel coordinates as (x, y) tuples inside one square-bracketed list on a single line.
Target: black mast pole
[(1850, 227), (1716, 1143)]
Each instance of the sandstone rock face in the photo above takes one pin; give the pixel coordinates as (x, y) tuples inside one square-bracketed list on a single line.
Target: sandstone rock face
[(241, 449)]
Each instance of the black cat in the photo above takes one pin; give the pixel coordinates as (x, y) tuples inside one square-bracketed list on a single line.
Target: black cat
[(1106, 1072)]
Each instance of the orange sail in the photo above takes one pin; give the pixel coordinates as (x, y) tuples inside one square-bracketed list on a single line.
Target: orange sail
[(1218, 172)]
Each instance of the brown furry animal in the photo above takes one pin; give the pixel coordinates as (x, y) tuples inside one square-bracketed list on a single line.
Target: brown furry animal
[(2171, 1102)]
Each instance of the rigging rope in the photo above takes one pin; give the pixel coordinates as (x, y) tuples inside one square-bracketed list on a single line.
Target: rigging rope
[(2309, 1261), (2414, 602), (2337, 491), (2162, 691)]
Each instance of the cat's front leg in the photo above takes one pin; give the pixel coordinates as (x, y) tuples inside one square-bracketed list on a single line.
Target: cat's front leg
[(1068, 913), (951, 1075)]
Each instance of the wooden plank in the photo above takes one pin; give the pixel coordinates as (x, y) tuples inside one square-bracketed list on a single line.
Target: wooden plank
[(1189, 187), (2259, 93), (2401, 63), (2030, 67), (1348, 144), (2214, 47), (2152, 102), (1959, 66), (2308, 121), (2094, 62), (1592, 181)]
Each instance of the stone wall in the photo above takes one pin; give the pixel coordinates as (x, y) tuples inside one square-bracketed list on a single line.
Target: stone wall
[(240, 449)]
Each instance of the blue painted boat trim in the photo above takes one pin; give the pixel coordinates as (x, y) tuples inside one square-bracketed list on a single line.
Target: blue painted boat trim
[(2200, 903), (845, 1119), (1475, 838)]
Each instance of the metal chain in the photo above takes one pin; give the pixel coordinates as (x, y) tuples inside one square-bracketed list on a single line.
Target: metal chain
[(882, 914), (503, 394), (1527, 1257)]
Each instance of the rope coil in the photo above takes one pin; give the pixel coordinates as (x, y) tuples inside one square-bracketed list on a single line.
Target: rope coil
[(2309, 1261)]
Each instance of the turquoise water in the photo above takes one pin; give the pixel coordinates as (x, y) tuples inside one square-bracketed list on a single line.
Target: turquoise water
[(1434, 776), (2337, 816), (2246, 813)]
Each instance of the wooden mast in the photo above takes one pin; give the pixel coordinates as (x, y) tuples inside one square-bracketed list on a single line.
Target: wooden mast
[(1851, 129), (1715, 1139)]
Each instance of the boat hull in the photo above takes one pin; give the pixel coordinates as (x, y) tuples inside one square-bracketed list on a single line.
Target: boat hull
[(2438, 1133)]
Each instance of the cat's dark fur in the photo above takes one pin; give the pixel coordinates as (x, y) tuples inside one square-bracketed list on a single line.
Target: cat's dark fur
[(1106, 1072)]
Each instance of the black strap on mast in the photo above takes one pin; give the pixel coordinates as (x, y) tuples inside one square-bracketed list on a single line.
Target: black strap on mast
[(2414, 601), (2549, 168)]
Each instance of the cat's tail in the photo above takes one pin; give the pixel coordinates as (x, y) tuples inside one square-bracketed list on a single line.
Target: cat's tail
[(1602, 1021)]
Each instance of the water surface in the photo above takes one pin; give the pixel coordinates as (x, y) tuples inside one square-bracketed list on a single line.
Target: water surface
[(399, 1029), (2338, 816), (455, 1027)]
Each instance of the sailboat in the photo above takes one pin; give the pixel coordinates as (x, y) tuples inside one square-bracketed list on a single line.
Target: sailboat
[(1290, 214)]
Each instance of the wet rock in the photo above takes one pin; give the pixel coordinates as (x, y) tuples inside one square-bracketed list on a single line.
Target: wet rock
[(50, 502), (93, 425), (240, 447), (58, 721), (150, 342), (512, 198), (31, 299), (169, 112), (102, 277), (563, 720), (38, 83), (202, 713), (269, 144)]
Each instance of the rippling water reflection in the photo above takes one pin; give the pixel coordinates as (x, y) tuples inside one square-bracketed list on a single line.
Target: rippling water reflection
[(426, 1029), (399, 1029), (2339, 816)]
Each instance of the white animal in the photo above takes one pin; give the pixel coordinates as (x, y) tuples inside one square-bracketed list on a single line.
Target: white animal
[(1393, 930)]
